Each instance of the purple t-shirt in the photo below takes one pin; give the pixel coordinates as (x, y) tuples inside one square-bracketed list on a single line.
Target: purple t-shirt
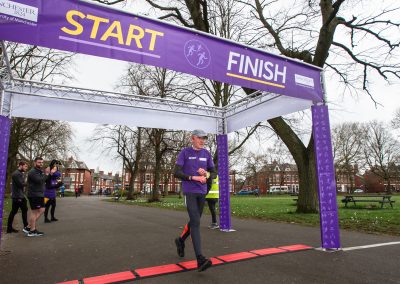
[(191, 160)]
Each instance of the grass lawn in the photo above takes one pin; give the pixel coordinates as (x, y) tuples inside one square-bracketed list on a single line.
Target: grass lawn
[(6, 211), (283, 209)]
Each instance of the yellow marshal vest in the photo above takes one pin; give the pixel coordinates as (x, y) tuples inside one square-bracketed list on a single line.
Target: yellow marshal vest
[(214, 191)]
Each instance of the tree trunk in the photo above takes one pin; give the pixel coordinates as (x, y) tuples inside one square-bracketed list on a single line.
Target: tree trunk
[(304, 158), (166, 184), (135, 170), (157, 135), (157, 173), (389, 189), (308, 193), (131, 195)]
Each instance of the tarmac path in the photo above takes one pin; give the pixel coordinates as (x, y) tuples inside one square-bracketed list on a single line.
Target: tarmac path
[(94, 238)]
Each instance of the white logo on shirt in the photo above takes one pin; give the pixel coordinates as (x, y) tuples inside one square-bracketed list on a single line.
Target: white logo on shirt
[(203, 159), (192, 158)]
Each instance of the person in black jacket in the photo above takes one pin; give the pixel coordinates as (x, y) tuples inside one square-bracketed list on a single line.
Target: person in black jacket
[(36, 186), (18, 198)]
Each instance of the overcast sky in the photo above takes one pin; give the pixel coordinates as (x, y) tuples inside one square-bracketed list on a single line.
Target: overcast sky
[(103, 74)]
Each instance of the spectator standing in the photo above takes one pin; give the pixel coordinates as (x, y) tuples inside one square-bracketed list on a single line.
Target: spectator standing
[(212, 199), (62, 190), (36, 186), (194, 166), (52, 183), (18, 197)]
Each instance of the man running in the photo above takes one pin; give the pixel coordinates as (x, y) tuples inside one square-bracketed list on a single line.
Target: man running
[(18, 198), (194, 166)]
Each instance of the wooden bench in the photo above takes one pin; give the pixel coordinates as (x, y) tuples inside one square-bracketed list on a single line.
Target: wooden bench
[(382, 199)]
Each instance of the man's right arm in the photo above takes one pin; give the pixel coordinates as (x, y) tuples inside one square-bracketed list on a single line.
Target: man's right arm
[(178, 173)]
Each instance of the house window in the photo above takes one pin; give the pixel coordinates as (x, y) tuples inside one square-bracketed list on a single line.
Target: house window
[(81, 180), (147, 177), (72, 177)]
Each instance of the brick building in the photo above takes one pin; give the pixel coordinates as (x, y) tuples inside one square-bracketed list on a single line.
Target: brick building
[(103, 181), (285, 174), (275, 174), (76, 174), (374, 183), (144, 181), (348, 179)]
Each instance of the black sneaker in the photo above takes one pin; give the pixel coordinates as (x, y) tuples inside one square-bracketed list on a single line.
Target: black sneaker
[(203, 263), (180, 247), (26, 230), (12, 230), (213, 226), (54, 219), (47, 220), (35, 233)]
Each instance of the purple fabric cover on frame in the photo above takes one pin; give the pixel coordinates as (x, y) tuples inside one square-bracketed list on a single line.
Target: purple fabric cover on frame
[(5, 125), (329, 223), (223, 173)]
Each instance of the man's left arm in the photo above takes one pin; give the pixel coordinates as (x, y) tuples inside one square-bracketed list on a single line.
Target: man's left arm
[(212, 173)]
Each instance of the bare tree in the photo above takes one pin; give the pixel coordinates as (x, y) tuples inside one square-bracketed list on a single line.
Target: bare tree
[(254, 162), (179, 140), (396, 120), (156, 82), (382, 152), (29, 137), (348, 140), (39, 64), (127, 143), (293, 31), (279, 153)]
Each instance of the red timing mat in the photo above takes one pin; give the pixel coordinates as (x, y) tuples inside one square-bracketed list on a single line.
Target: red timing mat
[(155, 270), (109, 278), (237, 256)]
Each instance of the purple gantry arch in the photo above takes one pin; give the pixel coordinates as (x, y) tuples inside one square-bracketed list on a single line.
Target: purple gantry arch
[(284, 85)]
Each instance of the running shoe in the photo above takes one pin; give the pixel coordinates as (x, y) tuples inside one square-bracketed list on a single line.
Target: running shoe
[(35, 233), (180, 247), (203, 263), (213, 226)]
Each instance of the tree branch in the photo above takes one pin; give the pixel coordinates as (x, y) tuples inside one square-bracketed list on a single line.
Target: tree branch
[(177, 14)]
